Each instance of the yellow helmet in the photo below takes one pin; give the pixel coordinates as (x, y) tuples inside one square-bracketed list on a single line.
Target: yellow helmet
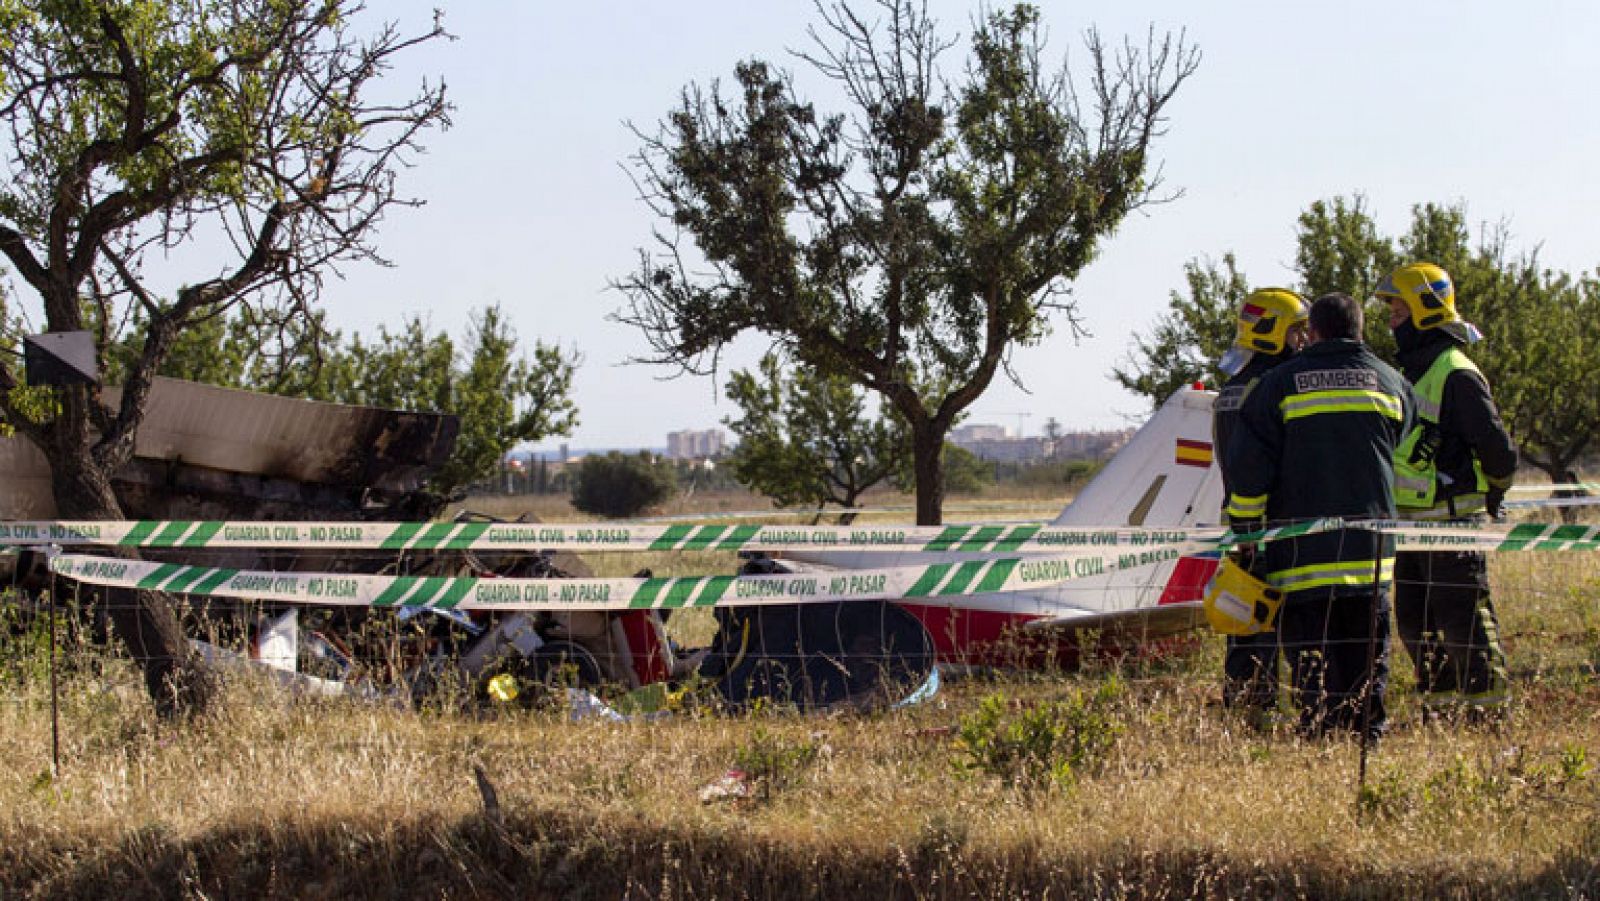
[(1266, 316), (1427, 291), (1237, 603)]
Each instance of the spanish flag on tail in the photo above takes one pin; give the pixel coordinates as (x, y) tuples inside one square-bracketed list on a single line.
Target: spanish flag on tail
[(1194, 453)]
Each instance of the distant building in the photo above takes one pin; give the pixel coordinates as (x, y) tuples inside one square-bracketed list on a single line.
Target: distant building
[(693, 445), (1091, 445), (1008, 450), (977, 433), (992, 442)]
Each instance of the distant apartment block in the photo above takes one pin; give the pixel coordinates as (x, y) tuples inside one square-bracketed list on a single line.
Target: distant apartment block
[(1091, 445), (981, 432), (692, 445), (992, 442)]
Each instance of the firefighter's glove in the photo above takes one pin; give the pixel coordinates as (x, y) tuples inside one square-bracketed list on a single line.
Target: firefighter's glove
[(1245, 555), (1494, 502)]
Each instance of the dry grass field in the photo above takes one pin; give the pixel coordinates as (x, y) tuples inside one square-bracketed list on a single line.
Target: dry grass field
[(1131, 783)]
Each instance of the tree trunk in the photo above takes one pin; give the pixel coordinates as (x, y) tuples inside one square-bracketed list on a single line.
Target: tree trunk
[(1564, 473), (177, 680), (927, 450)]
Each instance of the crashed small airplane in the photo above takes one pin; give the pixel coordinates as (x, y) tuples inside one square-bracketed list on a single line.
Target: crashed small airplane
[(212, 454), (819, 616)]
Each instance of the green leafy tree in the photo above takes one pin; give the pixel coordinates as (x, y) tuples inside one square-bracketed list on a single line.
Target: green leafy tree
[(1185, 345), (203, 352), (618, 485), (909, 243), (284, 354), (808, 439), (1338, 248), (1360, 259), (413, 368), (964, 471), (249, 349), (131, 129), (1541, 330), (504, 399)]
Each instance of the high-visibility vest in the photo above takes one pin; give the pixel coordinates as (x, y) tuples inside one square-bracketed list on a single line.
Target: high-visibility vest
[(1416, 472)]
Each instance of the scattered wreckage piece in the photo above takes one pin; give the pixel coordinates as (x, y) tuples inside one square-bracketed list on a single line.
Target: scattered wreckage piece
[(210, 453), (205, 452)]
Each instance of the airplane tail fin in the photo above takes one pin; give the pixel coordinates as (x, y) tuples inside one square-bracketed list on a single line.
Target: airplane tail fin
[(1164, 476)]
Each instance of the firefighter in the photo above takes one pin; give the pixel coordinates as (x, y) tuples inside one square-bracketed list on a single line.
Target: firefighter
[(1316, 438), (1271, 328), (1455, 464)]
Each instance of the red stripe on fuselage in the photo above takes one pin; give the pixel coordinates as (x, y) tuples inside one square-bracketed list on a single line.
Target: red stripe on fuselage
[(1188, 580), (644, 646), (996, 638)]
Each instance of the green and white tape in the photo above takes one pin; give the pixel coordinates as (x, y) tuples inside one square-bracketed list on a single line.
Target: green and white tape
[(1422, 536), (1443, 536), (1098, 552), (933, 584), (1030, 538), (489, 537)]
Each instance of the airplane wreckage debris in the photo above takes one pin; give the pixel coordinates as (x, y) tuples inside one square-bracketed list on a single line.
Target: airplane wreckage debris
[(208, 453)]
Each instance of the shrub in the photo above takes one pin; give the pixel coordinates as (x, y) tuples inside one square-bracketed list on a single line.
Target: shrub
[(24, 644), (1389, 798), (618, 485), (1046, 744), (773, 762)]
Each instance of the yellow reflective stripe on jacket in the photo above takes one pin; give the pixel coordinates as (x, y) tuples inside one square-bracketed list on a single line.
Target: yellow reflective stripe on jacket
[(1458, 507), (1296, 406), (1241, 507), (1416, 484), (1321, 575)]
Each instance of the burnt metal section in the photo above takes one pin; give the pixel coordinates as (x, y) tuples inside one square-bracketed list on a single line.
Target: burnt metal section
[(205, 452)]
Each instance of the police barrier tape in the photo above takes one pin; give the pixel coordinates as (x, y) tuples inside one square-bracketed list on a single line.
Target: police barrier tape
[(978, 539), (924, 583), (1553, 502), (481, 536), (1558, 486), (1413, 535), (930, 584), (1528, 536)]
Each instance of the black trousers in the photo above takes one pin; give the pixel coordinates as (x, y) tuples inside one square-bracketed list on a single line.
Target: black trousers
[(1250, 671), (1339, 666), (1448, 625)]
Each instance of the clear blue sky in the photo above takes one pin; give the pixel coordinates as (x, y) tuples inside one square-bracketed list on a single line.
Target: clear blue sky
[(528, 204)]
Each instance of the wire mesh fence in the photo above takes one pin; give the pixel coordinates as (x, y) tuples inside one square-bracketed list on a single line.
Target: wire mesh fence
[(407, 655), (1113, 740)]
